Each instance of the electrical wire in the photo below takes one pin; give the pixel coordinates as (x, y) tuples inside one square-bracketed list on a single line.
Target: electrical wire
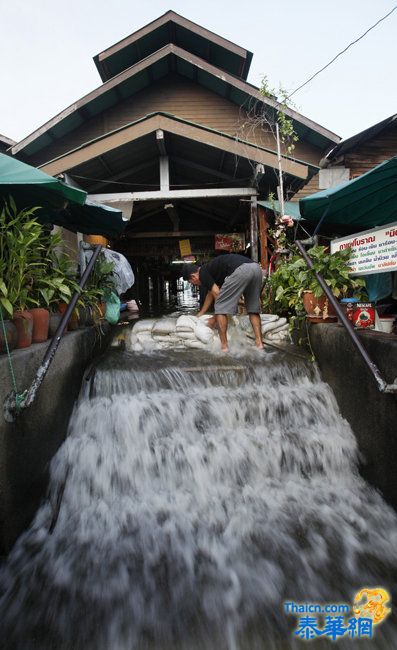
[(343, 51)]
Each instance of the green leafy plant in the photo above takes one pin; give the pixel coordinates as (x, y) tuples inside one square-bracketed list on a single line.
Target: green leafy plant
[(284, 288), (21, 259), (58, 283), (100, 283), (288, 135)]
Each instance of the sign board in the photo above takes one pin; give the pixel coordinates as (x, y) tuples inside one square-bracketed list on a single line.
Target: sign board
[(374, 251), (185, 248), (231, 242)]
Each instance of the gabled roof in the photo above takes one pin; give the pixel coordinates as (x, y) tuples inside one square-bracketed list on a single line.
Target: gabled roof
[(6, 141), (173, 28), (156, 66), (355, 140), (171, 124)]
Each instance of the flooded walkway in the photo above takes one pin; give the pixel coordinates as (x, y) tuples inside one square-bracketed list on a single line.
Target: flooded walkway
[(194, 495)]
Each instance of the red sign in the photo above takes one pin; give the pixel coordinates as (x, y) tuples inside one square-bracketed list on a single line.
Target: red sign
[(231, 242)]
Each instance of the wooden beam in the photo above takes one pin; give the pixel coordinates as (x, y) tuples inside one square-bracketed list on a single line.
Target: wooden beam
[(178, 127), (207, 215), (254, 229), (178, 233), (164, 174), (159, 195), (105, 165), (201, 168), (120, 175), (173, 215), (263, 243), (160, 140)]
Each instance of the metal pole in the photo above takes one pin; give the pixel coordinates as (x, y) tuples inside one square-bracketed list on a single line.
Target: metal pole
[(254, 228), (10, 410), (382, 384), (280, 172)]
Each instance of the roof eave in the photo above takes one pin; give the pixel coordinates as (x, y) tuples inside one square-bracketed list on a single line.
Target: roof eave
[(225, 77)]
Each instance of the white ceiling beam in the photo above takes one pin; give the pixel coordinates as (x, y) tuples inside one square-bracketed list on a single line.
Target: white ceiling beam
[(159, 195)]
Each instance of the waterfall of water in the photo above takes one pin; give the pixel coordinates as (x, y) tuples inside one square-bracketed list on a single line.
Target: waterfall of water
[(192, 497)]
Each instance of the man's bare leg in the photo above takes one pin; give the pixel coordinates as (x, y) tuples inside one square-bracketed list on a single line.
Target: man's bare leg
[(256, 326), (221, 320)]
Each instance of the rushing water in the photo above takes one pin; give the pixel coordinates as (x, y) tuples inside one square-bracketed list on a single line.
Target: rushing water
[(193, 495)]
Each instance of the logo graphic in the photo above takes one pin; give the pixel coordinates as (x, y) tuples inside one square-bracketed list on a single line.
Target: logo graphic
[(336, 620), (374, 606)]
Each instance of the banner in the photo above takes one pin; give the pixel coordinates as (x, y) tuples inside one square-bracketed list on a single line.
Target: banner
[(233, 242), (374, 251)]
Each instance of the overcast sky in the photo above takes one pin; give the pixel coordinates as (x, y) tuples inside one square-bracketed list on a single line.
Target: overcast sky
[(46, 51)]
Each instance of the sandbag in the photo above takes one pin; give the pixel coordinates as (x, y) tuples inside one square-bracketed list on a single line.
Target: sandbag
[(144, 325), (186, 322), (190, 335), (165, 338), (273, 325), (268, 318), (203, 333), (164, 326), (195, 344)]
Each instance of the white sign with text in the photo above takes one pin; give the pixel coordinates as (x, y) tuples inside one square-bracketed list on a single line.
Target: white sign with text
[(374, 251)]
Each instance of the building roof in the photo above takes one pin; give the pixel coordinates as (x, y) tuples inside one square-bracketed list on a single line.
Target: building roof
[(169, 59), (355, 140), (148, 125), (175, 29), (6, 141)]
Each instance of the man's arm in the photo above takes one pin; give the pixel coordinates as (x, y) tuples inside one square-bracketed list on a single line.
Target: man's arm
[(209, 299)]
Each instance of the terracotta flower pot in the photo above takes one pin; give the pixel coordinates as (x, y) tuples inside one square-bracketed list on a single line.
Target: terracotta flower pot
[(73, 322), (11, 336), (23, 321), (55, 319), (318, 310), (41, 321)]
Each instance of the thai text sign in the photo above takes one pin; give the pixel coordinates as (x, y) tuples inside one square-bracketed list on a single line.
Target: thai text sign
[(374, 251)]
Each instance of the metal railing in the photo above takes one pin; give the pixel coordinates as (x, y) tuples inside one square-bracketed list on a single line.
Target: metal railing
[(383, 386)]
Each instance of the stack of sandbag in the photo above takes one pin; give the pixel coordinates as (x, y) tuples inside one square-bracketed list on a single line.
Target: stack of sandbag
[(273, 327), (168, 332), (194, 332)]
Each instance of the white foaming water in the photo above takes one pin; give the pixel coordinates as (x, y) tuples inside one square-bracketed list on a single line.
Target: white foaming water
[(193, 495)]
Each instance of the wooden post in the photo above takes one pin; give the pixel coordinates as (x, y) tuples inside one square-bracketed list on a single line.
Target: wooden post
[(254, 229), (263, 242)]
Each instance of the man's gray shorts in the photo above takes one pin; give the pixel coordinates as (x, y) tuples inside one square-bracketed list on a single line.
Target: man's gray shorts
[(246, 280)]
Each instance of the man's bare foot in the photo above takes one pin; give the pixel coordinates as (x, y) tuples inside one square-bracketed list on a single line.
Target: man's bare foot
[(224, 348), (259, 345)]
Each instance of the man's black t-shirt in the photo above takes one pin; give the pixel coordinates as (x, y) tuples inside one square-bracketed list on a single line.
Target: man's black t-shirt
[(218, 269)]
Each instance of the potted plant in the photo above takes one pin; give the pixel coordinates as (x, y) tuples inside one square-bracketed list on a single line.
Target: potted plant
[(293, 289), (100, 283), (20, 251)]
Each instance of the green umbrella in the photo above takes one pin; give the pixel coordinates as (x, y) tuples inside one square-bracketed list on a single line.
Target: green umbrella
[(364, 202), (60, 203)]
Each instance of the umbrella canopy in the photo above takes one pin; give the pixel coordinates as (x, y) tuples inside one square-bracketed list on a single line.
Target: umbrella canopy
[(365, 202), (291, 208), (59, 203)]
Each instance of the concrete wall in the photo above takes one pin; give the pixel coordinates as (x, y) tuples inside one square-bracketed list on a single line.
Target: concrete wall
[(371, 414), (27, 446)]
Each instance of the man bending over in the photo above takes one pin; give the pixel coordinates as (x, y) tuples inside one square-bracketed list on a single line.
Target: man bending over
[(226, 278)]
